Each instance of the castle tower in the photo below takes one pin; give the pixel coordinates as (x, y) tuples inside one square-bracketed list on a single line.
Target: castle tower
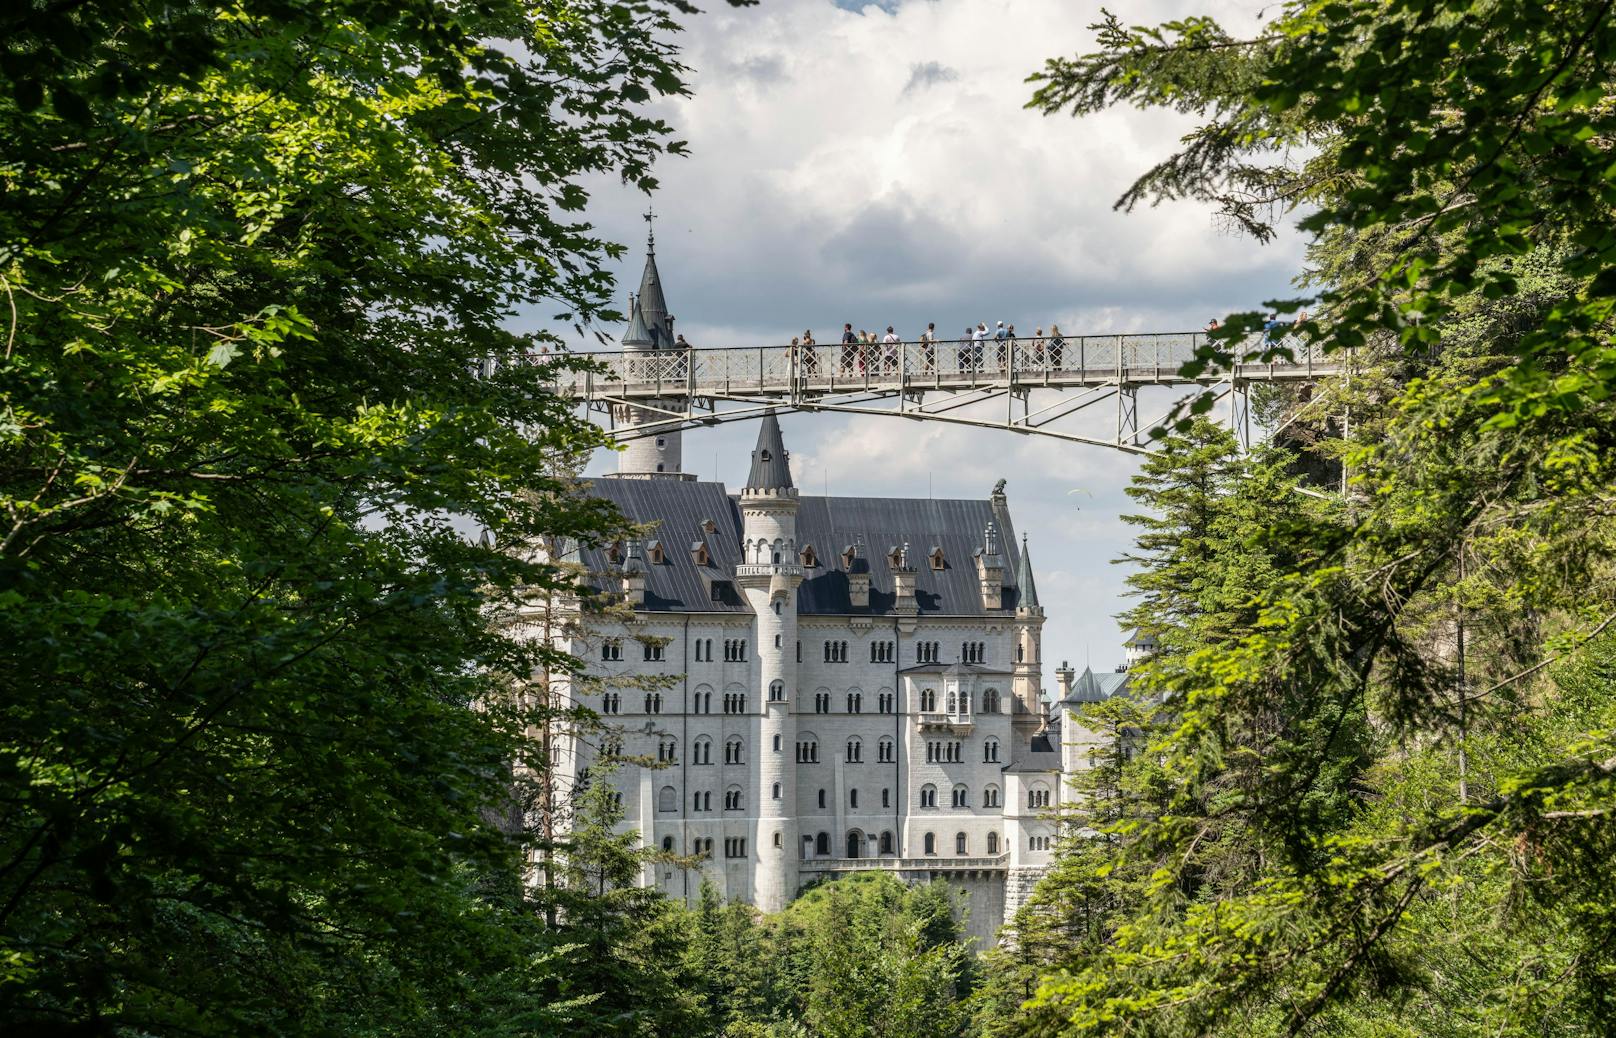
[(650, 331), (768, 575), (1027, 674)]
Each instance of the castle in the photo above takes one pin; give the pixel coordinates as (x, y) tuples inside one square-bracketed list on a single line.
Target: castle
[(850, 683)]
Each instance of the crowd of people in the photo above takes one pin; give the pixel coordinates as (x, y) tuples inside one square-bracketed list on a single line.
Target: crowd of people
[(865, 352)]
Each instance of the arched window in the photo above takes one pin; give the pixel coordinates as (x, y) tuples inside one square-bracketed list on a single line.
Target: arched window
[(886, 842), (855, 751), (953, 702), (702, 752), (778, 841), (777, 691), (822, 845), (807, 748), (961, 797), (928, 700), (990, 751), (928, 795), (990, 701), (1038, 796), (732, 798), (883, 751), (822, 799), (852, 799), (776, 742), (732, 750), (777, 791), (930, 843), (855, 703), (667, 843), (993, 843), (990, 796), (959, 843), (855, 844), (667, 799)]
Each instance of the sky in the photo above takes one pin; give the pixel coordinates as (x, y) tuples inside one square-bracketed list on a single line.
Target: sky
[(874, 163)]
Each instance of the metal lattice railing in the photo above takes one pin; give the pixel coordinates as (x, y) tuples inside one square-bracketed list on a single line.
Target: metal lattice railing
[(1155, 357)]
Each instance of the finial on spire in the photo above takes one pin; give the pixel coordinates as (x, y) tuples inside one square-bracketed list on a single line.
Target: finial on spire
[(650, 228)]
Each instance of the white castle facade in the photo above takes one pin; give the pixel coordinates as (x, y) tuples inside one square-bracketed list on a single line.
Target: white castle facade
[(842, 683)]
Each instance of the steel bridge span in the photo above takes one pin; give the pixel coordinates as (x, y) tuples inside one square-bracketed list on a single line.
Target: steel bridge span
[(645, 392)]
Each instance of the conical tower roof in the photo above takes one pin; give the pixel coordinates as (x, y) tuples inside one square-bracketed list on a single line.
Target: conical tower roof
[(1029, 590), (637, 334), (771, 468), (653, 306)]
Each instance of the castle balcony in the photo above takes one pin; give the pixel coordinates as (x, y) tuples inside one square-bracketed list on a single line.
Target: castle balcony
[(768, 569), (930, 864), (935, 721)]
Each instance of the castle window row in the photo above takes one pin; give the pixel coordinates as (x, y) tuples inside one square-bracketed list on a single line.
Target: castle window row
[(959, 796), (734, 650), (882, 652), (835, 652), (927, 652), (655, 653), (611, 649), (937, 752), (973, 652)]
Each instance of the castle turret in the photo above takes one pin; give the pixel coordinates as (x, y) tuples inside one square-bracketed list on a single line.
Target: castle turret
[(990, 568), (650, 332), (1028, 671), (768, 576)]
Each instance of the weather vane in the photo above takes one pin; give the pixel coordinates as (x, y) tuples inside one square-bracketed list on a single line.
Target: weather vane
[(650, 228)]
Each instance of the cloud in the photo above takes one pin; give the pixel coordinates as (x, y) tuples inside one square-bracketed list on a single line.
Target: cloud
[(874, 163), (927, 73)]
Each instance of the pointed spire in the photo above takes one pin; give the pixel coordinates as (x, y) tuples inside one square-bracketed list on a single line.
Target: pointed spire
[(653, 307), (637, 334), (1029, 590), (771, 468)]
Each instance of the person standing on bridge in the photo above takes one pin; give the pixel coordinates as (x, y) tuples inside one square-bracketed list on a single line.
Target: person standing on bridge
[(1001, 353), (848, 341), (928, 347), (979, 345), (1038, 349), (687, 356), (810, 356), (1057, 347), (889, 351)]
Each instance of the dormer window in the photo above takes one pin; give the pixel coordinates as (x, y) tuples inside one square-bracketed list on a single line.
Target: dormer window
[(653, 553), (698, 553), (895, 556), (938, 563), (808, 559), (708, 526), (615, 552), (847, 557), (764, 455)]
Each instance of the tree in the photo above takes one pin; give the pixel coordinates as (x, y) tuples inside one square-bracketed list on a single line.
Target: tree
[(257, 735), (1407, 643)]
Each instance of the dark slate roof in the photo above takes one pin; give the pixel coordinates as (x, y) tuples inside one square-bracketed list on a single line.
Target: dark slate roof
[(637, 334), (828, 523), (1093, 688), (1024, 581), (771, 465), (1042, 753), (653, 306)]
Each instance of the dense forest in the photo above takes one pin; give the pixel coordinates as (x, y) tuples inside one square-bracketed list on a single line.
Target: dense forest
[(268, 761)]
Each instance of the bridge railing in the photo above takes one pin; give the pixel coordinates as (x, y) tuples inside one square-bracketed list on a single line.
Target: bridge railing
[(952, 362)]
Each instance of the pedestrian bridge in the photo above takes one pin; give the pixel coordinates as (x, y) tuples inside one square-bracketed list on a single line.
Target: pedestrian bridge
[(985, 383)]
